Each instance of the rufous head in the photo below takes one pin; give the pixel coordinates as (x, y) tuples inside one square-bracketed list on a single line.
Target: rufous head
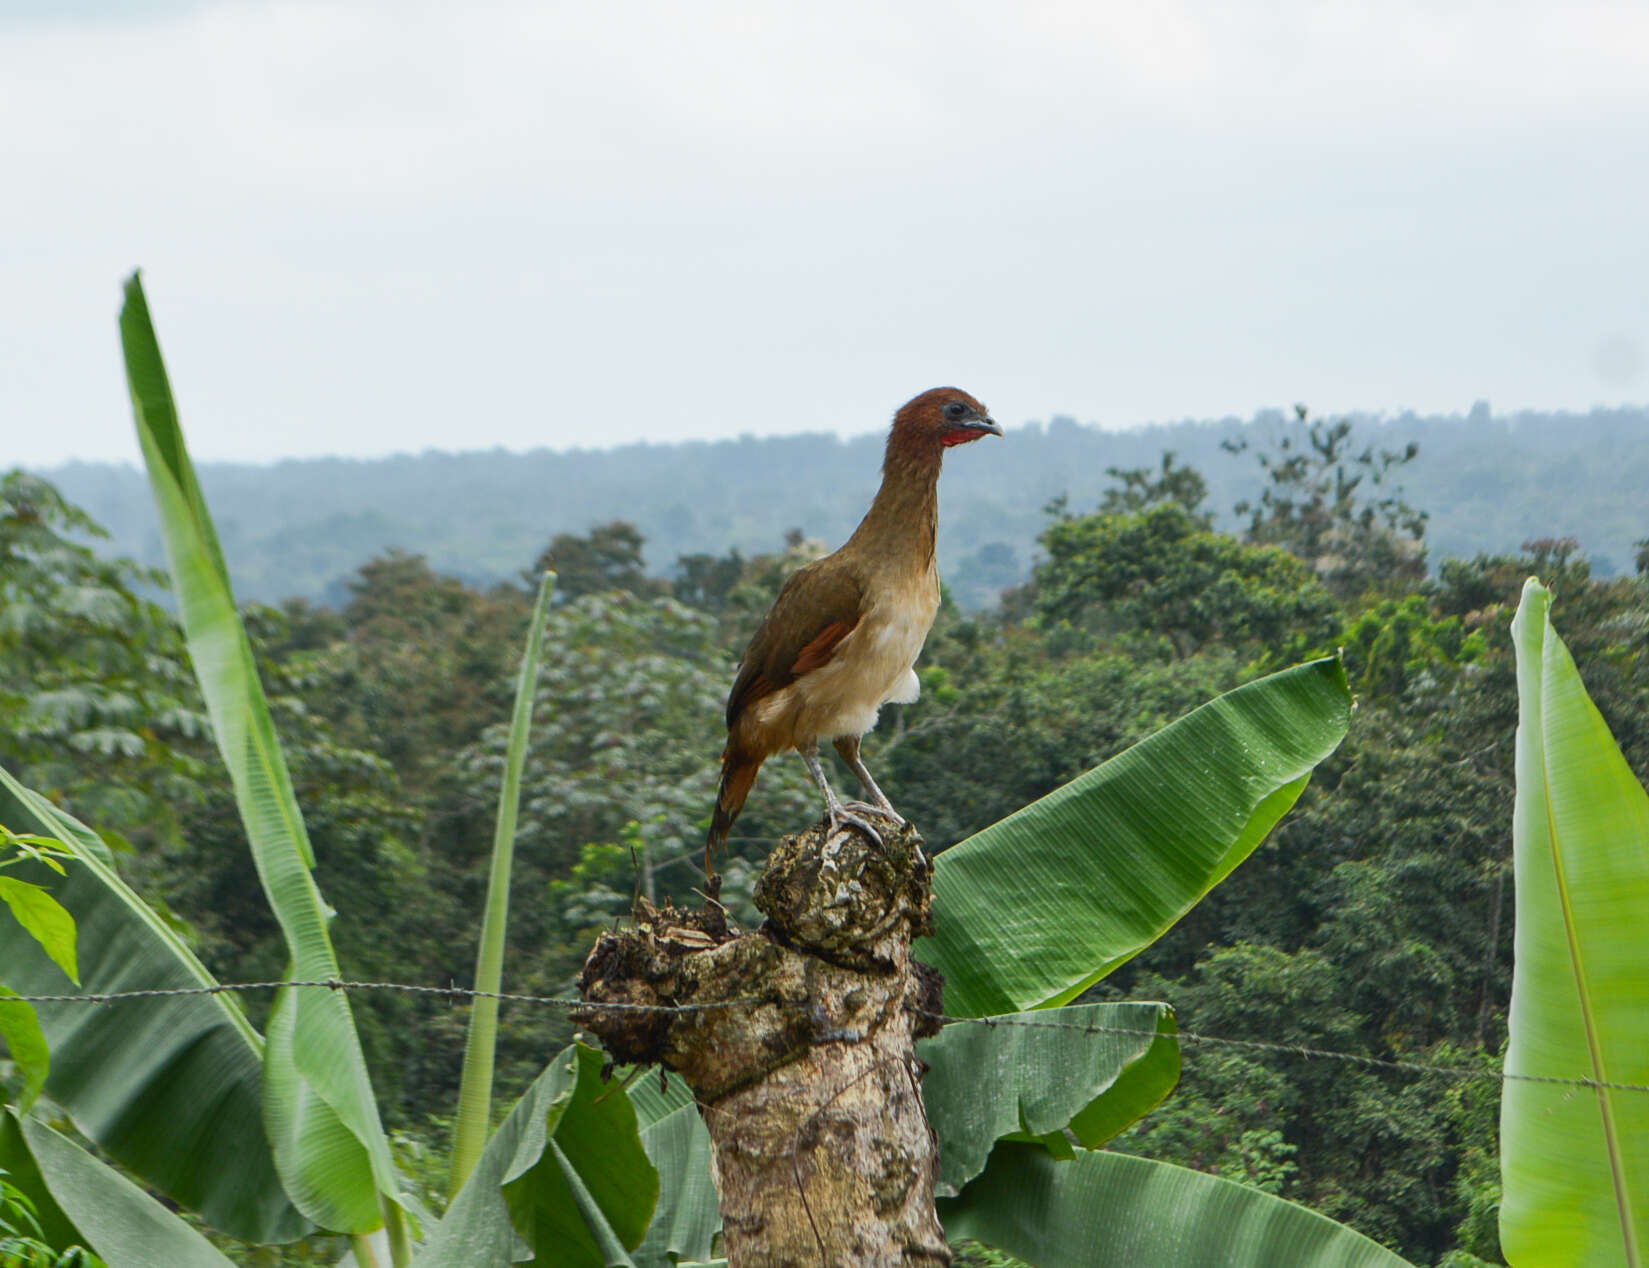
[(939, 418)]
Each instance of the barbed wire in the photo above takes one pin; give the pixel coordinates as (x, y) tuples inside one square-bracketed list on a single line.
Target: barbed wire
[(454, 993), (1295, 1050), (345, 984)]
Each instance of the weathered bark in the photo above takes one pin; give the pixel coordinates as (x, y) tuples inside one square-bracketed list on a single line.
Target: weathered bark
[(808, 1080)]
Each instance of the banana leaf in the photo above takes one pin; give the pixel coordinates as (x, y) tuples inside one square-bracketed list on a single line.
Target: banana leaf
[(1039, 1075), (688, 1215), (564, 1180), (171, 1087), (1574, 1163), (79, 1199), (1107, 1210), (475, 1082), (26, 1043), (329, 1144), (1035, 909)]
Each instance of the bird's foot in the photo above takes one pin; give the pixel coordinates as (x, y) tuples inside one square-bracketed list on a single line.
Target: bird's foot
[(841, 816), (883, 807)]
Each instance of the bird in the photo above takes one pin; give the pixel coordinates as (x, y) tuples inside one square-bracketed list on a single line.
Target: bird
[(842, 637)]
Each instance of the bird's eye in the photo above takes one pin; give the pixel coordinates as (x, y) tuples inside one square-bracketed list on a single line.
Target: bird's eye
[(955, 410)]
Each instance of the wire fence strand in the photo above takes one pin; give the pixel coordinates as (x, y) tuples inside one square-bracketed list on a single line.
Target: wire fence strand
[(455, 993), (345, 984), (1297, 1050)]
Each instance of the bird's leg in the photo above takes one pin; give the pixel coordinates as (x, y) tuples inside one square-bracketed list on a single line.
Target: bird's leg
[(848, 747), (838, 814)]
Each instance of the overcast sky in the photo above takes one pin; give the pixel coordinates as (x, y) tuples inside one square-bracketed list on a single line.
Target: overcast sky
[(374, 227)]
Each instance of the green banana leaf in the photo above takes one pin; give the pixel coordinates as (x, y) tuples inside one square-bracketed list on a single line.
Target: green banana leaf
[(1106, 1210), (170, 1087), (79, 1199), (688, 1215), (1574, 1163), (329, 1144), (1068, 1070), (1038, 907), (564, 1180), (26, 1042), (1037, 1075), (475, 1083)]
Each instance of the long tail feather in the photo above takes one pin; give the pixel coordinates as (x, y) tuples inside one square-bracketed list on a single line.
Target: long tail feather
[(738, 773)]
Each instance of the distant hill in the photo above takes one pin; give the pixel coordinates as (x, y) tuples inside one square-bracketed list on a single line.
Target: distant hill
[(303, 527)]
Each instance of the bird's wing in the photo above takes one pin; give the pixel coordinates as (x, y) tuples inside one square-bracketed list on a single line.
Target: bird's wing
[(816, 609)]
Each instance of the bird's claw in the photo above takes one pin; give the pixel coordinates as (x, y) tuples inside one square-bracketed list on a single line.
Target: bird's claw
[(839, 817), (876, 808)]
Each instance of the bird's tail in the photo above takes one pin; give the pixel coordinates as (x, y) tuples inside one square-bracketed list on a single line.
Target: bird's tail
[(738, 773)]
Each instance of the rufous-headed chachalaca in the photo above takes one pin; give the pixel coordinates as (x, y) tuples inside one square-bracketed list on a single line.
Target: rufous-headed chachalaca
[(842, 638)]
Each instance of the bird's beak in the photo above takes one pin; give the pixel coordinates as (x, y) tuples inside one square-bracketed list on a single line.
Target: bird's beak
[(984, 424)]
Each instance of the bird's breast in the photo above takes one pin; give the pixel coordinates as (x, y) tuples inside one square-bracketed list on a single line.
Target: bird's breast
[(873, 666)]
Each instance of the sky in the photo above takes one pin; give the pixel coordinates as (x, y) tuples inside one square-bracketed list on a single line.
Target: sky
[(376, 226)]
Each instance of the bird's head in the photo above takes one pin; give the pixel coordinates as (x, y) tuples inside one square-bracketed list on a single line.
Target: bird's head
[(940, 418)]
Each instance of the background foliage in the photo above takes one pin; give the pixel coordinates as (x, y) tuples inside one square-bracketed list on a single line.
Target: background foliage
[(1376, 920), (303, 527)]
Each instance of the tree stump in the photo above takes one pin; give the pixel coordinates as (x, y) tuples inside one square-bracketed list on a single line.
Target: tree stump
[(799, 1047)]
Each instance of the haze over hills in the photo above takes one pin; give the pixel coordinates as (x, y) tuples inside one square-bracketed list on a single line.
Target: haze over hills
[(302, 527)]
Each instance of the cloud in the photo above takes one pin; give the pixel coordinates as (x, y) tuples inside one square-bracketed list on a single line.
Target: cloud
[(378, 100), (364, 219)]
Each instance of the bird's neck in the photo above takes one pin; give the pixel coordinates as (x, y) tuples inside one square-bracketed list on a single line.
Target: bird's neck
[(901, 528)]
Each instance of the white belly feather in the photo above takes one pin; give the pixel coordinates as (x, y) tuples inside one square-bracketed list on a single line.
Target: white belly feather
[(872, 666)]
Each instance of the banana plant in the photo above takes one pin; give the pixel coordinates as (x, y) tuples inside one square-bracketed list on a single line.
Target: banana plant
[(1574, 1163), (170, 1086), (330, 1149), (268, 1137), (475, 1082)]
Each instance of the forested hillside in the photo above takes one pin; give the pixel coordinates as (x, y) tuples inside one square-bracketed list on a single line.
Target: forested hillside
[(301, 528), (1376, 922)]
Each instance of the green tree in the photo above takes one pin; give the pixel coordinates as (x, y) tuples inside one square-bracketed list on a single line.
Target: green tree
[(417, 664), (1398, 645), (1140, 489), (706, 581), (1162, 574), (1330, 504), (96, 704), (608, 557)]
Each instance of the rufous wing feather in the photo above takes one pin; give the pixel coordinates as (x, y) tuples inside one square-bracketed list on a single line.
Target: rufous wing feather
[(816, 609)]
